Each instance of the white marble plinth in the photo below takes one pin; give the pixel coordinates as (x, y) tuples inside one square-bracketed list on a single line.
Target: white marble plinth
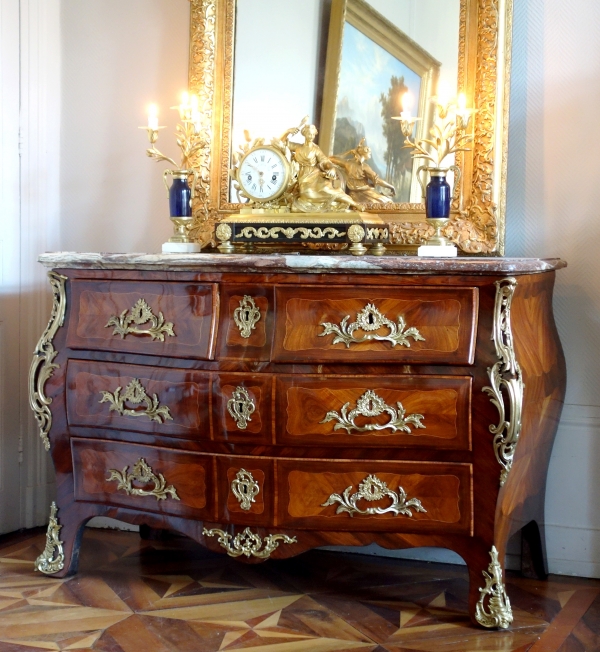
[(181, 248), (449, 251)]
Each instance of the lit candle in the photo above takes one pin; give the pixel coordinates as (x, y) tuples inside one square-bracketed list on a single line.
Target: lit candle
[(406, 104), (461, 110), (184, 107), (153, 117)]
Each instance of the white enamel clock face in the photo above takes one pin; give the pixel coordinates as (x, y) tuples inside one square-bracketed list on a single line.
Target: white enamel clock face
[(263, 174)]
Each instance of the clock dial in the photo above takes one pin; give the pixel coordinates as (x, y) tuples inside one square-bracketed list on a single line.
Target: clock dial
[(263, 174)]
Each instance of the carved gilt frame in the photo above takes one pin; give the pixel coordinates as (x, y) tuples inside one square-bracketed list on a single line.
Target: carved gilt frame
[(476, 224)]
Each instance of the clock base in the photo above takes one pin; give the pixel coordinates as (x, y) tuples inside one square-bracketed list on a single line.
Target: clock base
[(278, 232)]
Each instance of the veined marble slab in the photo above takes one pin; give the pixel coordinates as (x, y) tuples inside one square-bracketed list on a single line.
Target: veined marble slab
[(215, 262)]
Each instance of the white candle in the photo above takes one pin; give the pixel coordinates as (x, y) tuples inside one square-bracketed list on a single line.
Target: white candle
[(461, 109), (406, 104), (153, 117)]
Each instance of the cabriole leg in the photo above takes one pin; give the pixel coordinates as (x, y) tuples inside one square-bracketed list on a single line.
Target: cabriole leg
[(492, 607), (63, 539)]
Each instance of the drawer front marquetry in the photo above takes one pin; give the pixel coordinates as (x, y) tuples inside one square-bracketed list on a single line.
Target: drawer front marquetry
[(399, 411), (374, 495), (138, 398), (246, 322), (162, 319), (242, 407), (143, 477), (376, 324)]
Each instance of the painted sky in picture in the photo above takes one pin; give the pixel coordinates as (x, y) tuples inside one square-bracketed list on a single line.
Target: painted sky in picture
[(365, 74)]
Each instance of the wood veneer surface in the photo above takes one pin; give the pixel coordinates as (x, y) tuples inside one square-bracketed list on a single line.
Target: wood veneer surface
[(469, 516)]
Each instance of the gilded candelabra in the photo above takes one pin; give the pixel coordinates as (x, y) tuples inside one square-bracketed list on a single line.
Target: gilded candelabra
[(449, 134), (180, 193)]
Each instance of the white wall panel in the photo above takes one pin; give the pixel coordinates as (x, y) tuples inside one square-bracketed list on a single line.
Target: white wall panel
[(118, 57), (552, 210)]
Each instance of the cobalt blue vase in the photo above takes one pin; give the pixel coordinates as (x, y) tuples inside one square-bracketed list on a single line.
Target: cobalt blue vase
[(438, 195), (180, 194)]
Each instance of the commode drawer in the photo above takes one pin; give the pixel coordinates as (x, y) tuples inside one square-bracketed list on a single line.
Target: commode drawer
[(143, 477), (161, 319), (375, 324), (374, 495), (143, 399), (383, 411)]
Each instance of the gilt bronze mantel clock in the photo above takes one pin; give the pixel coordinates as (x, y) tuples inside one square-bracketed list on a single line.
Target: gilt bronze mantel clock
[(296, 199)]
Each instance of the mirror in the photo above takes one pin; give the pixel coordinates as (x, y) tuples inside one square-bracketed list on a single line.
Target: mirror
[(261, 66)]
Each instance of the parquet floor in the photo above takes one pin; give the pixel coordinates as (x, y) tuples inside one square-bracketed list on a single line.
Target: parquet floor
[(169, 596)]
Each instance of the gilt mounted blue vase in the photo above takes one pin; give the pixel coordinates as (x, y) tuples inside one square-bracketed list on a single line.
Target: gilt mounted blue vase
[(181, 195), (438, 195)]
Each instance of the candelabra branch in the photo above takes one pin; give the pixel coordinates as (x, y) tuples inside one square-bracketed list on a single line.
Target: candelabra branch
[(448, 135), (152, 152)]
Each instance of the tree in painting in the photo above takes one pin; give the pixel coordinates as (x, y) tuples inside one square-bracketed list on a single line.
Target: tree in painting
[(398, 160)]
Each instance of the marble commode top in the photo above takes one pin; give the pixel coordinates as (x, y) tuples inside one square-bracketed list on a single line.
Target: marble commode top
[(294, 263)]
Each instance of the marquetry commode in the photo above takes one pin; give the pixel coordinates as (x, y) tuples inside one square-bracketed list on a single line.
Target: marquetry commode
[(265, 405)]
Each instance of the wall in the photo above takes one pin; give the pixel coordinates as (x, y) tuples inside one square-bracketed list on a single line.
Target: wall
[(117, 57), (552, 210)]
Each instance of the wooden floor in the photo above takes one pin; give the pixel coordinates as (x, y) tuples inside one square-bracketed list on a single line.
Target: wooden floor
[(168, 596)]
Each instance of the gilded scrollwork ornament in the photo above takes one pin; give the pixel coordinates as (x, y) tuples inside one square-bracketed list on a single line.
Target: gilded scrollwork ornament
[(248, 543), (246, 316), (369, 320), (241, 407), (372, 405), (141, 314), (203, 19), (245, 489), (142, 472), (506, 380), (493, 607), (136, 394), (52, 559), (372, 489), (43, 365), (289, 232)]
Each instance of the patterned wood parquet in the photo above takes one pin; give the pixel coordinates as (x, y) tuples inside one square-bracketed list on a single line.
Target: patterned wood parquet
[(172, 595)]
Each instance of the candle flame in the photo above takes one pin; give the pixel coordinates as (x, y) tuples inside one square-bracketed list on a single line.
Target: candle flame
[(462, 102)]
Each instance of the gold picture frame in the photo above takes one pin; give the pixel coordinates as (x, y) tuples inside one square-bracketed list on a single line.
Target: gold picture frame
[(477, 222), (383, 37)]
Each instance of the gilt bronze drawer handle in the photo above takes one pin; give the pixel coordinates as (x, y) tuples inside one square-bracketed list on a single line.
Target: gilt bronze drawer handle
[(246, 316), (245, 489), (141, 314), (371, 405), (136, 394), (372, 489), (247, 543), (241, 407), (369, 319), (142, 472)]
